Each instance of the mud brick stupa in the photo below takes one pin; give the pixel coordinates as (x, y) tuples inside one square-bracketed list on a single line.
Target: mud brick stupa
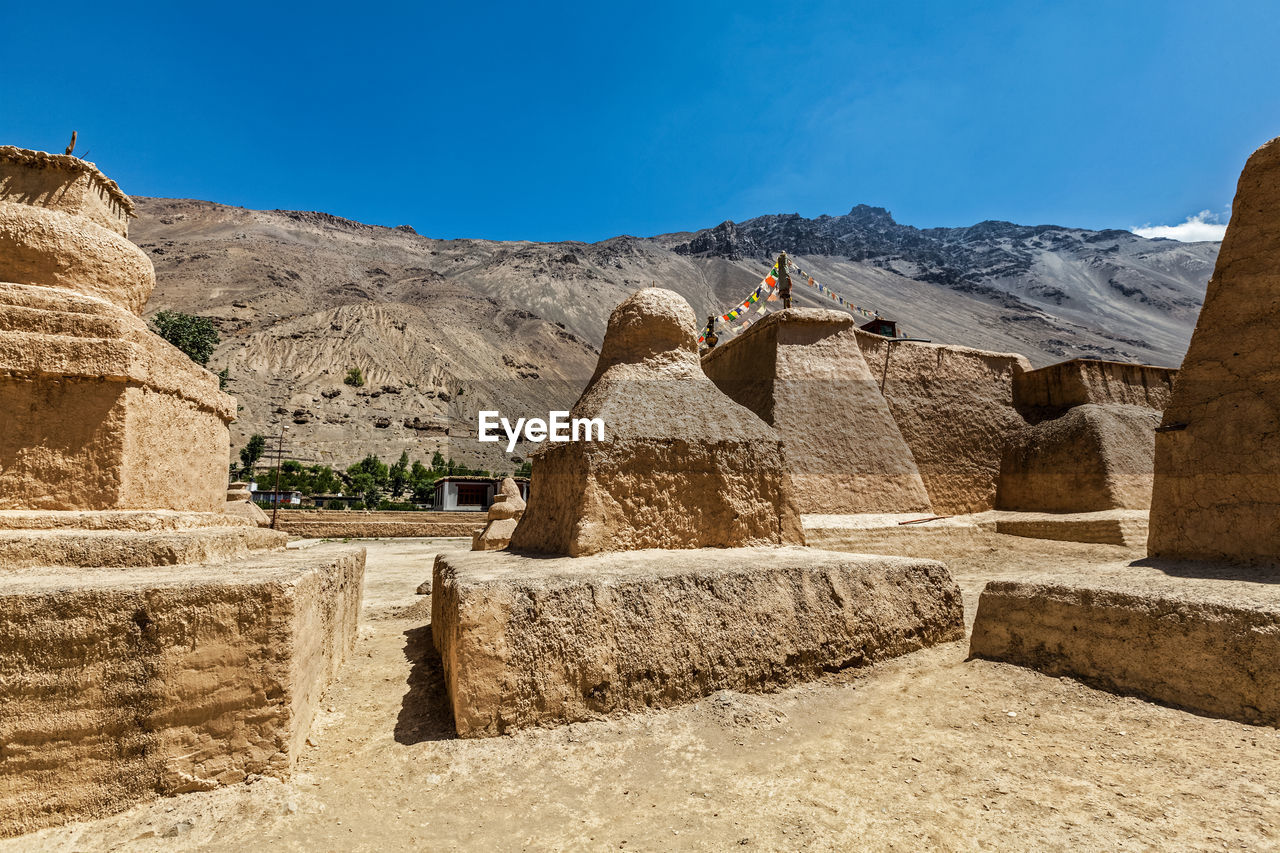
[(150, 642), (665, 562)]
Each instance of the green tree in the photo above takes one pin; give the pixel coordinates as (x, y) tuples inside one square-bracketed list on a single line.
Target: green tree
[(422, 482), (323, 480), (224, 377), (369, 478), (251, 453), (354, 377), (196, 336), (525, 469), (399, 475), (437, 462)]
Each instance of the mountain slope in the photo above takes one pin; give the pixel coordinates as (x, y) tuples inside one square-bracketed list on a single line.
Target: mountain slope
[(444, 328), (1045, 291)]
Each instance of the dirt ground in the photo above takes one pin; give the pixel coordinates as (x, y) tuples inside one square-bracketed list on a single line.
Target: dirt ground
[(926, 752)]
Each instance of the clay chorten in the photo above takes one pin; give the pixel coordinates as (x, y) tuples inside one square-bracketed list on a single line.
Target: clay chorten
[(504, 515), (681, 465), (102, 415), (151, 642)]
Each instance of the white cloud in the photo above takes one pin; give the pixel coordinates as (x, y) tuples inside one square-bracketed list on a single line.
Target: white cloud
[(1203, 226)]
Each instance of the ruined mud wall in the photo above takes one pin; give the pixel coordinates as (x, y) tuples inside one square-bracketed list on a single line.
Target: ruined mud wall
[(954, 406), (1051, 390), (802, 371), (1093, 458), (1217, 467), (357, 524)]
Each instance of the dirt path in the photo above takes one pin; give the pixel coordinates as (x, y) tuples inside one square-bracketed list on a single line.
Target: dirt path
[(926, 752)]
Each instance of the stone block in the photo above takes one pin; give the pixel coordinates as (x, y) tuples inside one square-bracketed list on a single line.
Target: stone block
[(539, 641), (1212, 647), (121, 685)]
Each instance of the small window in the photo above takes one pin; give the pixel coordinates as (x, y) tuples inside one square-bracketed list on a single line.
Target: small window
[(472, 494)]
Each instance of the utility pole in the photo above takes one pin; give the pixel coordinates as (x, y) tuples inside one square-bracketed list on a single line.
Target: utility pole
[(275, 497)]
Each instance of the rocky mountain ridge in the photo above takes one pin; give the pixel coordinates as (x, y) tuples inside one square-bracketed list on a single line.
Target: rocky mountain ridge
[(443, 328)]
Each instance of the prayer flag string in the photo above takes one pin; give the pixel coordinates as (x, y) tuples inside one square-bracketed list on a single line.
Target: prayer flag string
[(766, 291)]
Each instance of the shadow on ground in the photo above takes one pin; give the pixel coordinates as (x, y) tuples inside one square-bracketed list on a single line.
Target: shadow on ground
[(1212, 571), (425, 713)]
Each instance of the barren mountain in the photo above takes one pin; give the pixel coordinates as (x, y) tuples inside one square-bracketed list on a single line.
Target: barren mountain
[(443, 328)]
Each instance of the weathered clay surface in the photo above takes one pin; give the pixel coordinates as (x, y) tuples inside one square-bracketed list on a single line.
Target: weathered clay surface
[(56, 249), (128, 538), (954, 406), (504, 516), (1207, 646), (802, 371), (351, 524), (1049, 391), (240, 503), (151, 519), (134, 548), (681, 466), (886, 533), (1094, 457), (103, 414), (528, 641), (119, 686), (1216, 493), (65, 183), (1126, 527)]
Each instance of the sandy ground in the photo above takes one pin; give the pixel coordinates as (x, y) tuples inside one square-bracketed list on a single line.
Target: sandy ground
[(926, 752)]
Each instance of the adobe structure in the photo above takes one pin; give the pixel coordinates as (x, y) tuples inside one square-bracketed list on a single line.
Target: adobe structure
[(1199, 636), (1089, 444), (109, 416), (504, 515), (954, 407), (1217, 461), (682, 466), (878, 431), (801, 371), (686, 579), (129, 669)]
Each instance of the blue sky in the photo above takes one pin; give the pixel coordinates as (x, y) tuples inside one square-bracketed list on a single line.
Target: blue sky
[(581, 121)]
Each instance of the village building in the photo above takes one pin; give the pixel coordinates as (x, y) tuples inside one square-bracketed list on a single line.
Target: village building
[(471, 494), (290, 497)]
